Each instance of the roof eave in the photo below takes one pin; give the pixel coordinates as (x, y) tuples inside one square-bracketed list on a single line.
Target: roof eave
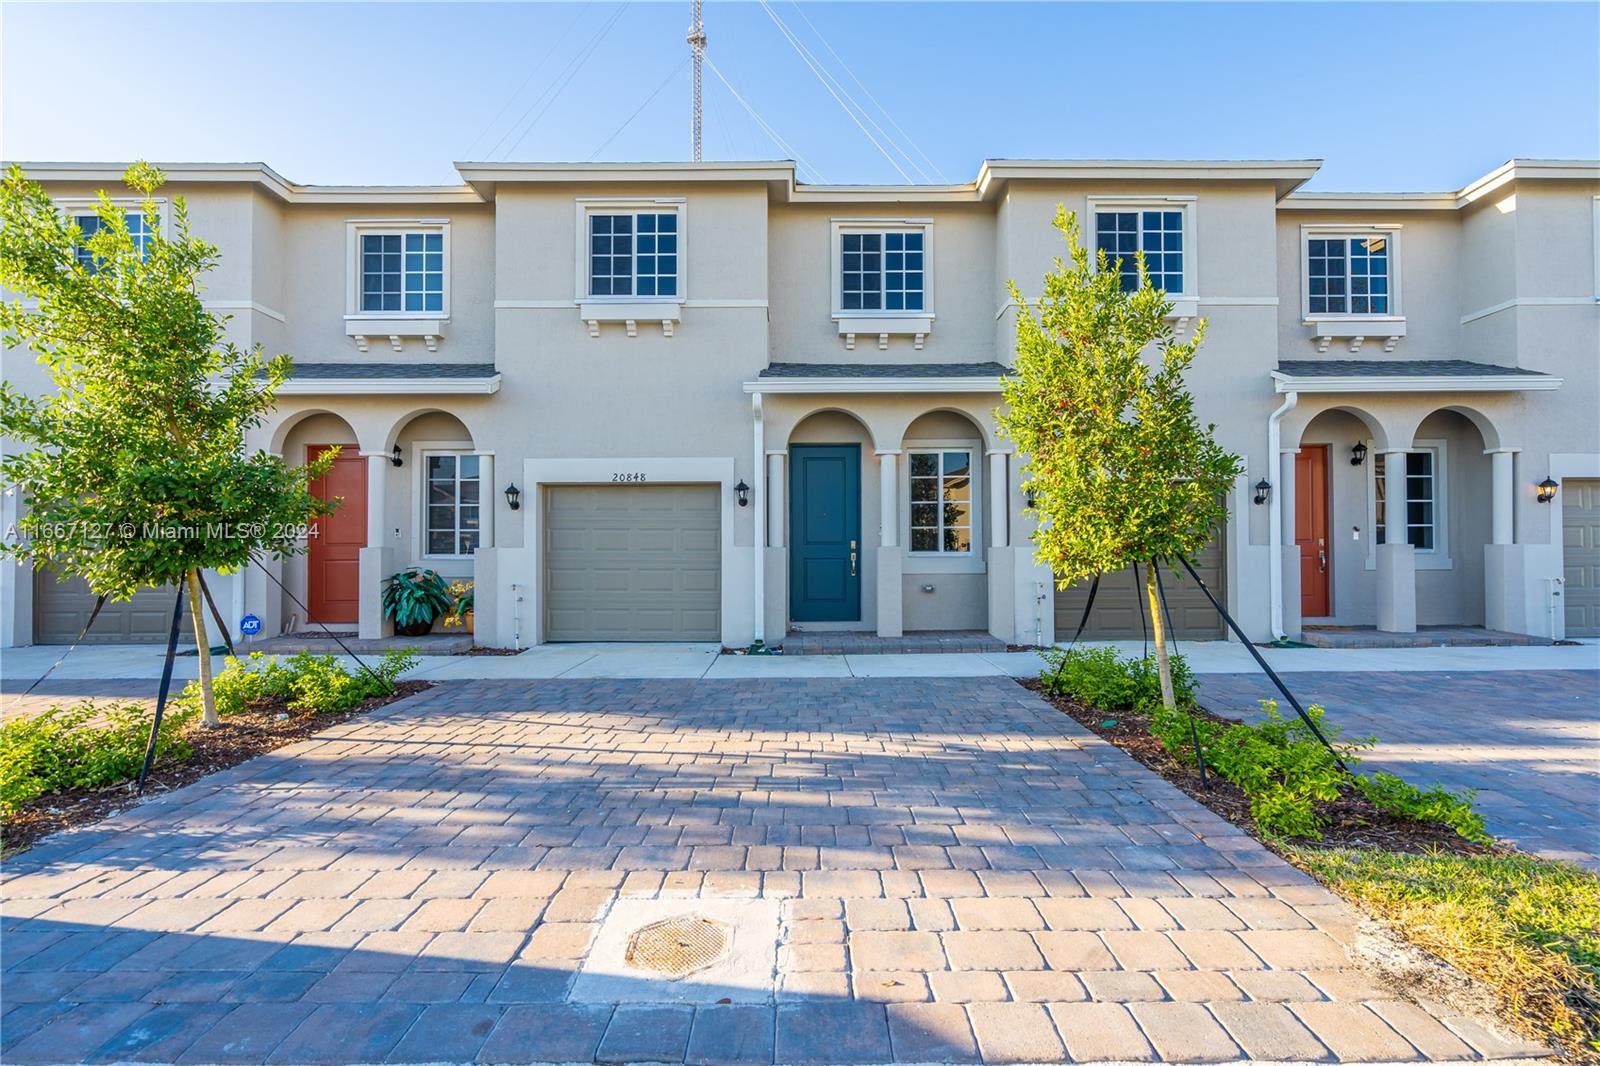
[(874, 384), (1371, 383), (418, 386)]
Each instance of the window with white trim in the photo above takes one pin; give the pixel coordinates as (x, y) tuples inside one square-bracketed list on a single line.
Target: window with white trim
[(452, 525), (1349, 274), (633, 253), (941, 500), (1158, 233), (882, 270), (402, 272), (1421, 507), (138, 230)]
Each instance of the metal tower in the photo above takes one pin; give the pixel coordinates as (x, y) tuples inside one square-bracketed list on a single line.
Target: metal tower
[(697, 46)]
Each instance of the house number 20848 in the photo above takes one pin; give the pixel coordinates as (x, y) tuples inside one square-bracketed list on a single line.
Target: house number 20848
[(627, 477)]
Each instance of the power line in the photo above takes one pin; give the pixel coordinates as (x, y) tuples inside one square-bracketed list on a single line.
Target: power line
[(532, 72), (629, 120), (765, 126), (931, 164), (553, 91)]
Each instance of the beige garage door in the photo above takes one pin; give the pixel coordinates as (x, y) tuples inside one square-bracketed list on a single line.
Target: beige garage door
[(1580, 539), (1116, 606), (633, 562), (60, 609)]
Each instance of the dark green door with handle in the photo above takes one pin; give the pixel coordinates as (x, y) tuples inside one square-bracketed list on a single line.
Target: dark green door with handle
[(825, 533)]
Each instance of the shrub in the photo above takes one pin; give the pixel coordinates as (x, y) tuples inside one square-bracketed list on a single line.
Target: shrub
[(1436, 804), (86, 746), (308, 683), (1101, 678), (414, 598)]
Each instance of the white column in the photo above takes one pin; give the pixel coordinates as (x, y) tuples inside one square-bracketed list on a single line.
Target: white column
[(1397, 565), (759, 519), (775, 499), (888, 499), (1394, 495), (488, 494), (999, 510), (376, 560), (377, 510), (1503, 495), (1285, 491)]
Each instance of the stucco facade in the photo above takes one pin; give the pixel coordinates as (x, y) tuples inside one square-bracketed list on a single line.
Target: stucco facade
[(1478, 378)]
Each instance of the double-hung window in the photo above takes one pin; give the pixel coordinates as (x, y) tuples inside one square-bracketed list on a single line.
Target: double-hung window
[(138, 229), (402, 273), (1348, 275), (1419, 511), (941, 501), (882, 270), (451, 520), (1120, 234), (633, 253)]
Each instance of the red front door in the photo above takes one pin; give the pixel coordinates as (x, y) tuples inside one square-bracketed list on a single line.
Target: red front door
[(1311, 529), (333, 569)]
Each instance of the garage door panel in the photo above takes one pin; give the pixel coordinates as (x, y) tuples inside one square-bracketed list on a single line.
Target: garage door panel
[(1580, 556), (62, 608), (1117, 610), (633, 562)]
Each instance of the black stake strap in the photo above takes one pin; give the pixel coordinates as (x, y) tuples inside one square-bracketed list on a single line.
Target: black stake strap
[(101, 602), (166, 686), (1261, 662), (1194, 728), (1094, 587), (1138, 598), (379, 677), (222, 627)]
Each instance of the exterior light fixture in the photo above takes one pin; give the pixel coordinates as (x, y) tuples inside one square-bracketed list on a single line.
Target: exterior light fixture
[(1358, 454), (513, 497), (396, 458), (1547, 490), (741, 492), (1263, 490)]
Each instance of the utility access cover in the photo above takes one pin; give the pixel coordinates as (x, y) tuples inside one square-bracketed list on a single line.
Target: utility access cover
[(678, 946)]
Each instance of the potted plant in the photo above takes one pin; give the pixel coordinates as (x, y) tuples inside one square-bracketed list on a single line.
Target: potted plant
[(461, 593), (414, 598)]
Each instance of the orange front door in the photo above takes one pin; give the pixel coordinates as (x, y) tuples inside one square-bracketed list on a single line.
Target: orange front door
[(1311, 529), (333, 581)]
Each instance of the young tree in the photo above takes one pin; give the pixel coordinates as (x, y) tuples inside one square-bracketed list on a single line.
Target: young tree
[(1120, 469), (134, 468)]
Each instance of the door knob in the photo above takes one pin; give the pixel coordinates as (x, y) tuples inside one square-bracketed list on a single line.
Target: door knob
[(1322, 562), (852, 558)]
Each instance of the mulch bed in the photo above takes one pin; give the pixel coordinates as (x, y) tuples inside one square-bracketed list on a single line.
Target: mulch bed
[(479, 649), (1353, 821), (241, 737)]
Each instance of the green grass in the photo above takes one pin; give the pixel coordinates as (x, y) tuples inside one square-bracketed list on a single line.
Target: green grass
[(1528, 928)]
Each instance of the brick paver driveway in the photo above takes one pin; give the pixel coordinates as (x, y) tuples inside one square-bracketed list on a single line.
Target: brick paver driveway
[(1528, 742), (956, 871)]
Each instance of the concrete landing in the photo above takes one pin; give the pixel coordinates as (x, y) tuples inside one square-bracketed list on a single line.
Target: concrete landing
[(1424, 637)]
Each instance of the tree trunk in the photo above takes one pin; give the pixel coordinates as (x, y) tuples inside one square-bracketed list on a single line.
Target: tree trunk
[(202, 643), (1163, 665)]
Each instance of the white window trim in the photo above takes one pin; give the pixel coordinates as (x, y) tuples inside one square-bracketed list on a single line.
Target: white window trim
[(587, 206), (355, 229), (1185, 303), (840, 226), (1319, 231), (937, 562), (1435, 558), (420, 450), (75, 207)]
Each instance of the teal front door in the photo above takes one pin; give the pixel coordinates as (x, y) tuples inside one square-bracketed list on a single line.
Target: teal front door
[(825, 533)]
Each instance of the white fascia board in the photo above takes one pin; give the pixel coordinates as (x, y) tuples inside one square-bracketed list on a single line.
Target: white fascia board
[(1369, 383), (262, 176), (873, 385), (391, 386)]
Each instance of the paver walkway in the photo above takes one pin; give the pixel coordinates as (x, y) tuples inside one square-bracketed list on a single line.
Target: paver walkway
[(960, 871), (1528, 742)]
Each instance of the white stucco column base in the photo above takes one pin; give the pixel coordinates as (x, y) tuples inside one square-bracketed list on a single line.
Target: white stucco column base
[(891, 606), (776, 560), (1293, 623), (263, 597), (375, 565), (1021, 597), (1397, 588), (1002, 566), (1520, 594), (486, 628)]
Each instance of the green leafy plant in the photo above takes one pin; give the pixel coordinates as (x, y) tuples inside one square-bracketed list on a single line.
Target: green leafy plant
[(463, 598), (86, 746), (1436, 804), (1099, 677), (307, 683), (414, 598)]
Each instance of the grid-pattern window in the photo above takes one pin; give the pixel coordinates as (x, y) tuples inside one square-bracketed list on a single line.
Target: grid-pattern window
[(1348, 275), (1421, 509), (882, 271), (1159, 234), (633, 254), (452, 520), (402, 272), (941, 501), (138, 229)]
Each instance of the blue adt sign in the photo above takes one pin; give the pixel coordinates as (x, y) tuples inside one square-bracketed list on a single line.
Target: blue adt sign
[(249, 625)]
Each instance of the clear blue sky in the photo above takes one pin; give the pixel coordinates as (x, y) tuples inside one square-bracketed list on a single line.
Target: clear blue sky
[(1393, 96)]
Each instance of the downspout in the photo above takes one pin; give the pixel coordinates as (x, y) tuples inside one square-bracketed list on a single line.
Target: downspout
[(1275, 513), (759, 476)]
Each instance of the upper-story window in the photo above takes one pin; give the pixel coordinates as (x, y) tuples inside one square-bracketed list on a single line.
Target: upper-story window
[(633, 253), (402, 272), (138, 229), (882, 270), (1120, 234), (1348, 275)]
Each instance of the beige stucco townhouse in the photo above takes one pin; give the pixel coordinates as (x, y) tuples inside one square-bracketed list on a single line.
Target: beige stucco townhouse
[(707, 402)]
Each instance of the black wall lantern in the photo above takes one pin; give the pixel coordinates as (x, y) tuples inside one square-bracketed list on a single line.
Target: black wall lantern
[(513, 497), (1358, 454), (741, 492), (1263, 490), (395, 457), (1547, 490)]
